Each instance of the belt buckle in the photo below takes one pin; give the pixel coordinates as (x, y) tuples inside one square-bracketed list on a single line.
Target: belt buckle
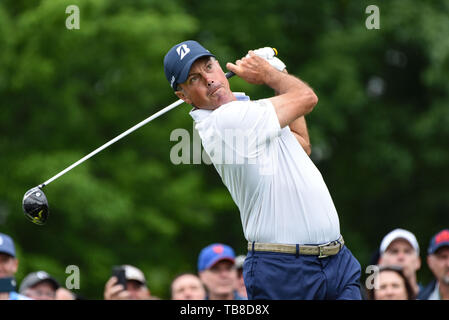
[(320, 251)]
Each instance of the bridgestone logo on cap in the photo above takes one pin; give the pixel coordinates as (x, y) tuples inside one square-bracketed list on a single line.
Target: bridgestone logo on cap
[(182, 50)]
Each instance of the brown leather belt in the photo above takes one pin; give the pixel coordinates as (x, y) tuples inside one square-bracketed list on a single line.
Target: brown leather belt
[(322, 250)]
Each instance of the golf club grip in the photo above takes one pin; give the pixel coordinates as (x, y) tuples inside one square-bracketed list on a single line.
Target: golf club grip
[(230, 74)]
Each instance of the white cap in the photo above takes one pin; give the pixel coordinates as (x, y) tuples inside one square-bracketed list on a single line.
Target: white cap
[(132, 273), (399, 234)]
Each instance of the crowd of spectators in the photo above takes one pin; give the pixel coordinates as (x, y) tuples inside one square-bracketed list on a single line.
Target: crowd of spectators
[(219, 275), (398, 260)]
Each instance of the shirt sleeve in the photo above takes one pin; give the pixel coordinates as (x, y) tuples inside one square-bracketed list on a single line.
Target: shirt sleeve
[(256, 118)]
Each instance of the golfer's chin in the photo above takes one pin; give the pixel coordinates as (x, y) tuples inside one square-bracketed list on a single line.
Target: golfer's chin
[(219, 98)]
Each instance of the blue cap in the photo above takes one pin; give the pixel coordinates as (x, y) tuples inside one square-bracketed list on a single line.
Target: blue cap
[(7, 245), (214, 253), (441, 239), (179, 60)]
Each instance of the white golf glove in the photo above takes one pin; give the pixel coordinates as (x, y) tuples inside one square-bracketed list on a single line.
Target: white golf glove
[(269, 54)]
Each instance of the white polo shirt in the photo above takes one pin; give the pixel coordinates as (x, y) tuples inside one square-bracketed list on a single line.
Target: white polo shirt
[(280, 193)]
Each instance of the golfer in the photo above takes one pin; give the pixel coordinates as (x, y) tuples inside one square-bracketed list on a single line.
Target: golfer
[(261, 151)]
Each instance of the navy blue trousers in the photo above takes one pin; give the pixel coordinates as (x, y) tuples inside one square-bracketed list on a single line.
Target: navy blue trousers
[(284, 276)]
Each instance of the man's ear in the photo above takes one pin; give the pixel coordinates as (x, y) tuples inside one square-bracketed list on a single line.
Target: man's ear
[(181, 95)]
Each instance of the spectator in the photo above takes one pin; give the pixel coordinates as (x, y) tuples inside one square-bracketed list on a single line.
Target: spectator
[(391, 284), (400, 248), (39, 286), (136, 286), (216, 268), (8, 267), (438, 262), (64, 294), (187, 286), (240, 286)]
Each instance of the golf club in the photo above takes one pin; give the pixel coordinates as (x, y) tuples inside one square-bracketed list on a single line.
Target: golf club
[(35, 203)]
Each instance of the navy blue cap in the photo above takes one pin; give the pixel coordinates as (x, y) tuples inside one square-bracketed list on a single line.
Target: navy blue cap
[(214, 253), (179, 60), (7, 245), (441, 239)]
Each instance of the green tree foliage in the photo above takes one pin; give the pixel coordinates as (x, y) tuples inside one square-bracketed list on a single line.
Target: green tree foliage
[(66, 92), (379, 132)]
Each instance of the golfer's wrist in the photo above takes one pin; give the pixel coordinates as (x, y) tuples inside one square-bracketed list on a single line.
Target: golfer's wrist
[(279, 81)]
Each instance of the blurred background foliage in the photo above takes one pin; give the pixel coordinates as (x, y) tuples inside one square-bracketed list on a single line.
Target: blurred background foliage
[(379, 133)]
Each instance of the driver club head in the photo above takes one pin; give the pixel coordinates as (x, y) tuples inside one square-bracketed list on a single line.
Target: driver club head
[(35, 206)]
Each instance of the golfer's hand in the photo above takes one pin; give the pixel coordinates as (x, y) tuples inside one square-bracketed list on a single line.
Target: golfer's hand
[(252, 68), (114, 291), (269, 54)]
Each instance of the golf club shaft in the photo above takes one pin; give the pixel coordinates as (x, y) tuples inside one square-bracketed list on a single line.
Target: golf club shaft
[(107, 144)]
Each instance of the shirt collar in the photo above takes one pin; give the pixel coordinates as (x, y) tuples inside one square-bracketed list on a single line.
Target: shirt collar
[(200, 114), (435, 295), (17, 296)]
